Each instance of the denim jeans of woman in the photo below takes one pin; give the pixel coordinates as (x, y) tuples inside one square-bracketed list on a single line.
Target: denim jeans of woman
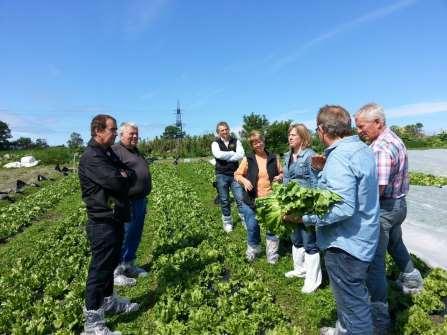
[(253, 231)]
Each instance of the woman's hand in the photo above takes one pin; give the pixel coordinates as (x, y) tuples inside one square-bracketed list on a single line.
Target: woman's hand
[(247, 184), (278, 178)]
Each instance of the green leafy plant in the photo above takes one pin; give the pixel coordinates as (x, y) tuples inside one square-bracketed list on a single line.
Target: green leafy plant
[(424, 179), (292, 199)]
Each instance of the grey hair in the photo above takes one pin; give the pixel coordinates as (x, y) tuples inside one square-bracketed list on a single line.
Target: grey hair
[(125, 125), (372, 111), (221, 123)]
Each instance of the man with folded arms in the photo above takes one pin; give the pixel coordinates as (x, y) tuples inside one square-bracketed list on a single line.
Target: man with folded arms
[(105, 182), (128, 153)]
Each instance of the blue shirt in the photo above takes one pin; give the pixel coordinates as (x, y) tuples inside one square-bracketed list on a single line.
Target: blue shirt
[(300, 170), (353, 223)]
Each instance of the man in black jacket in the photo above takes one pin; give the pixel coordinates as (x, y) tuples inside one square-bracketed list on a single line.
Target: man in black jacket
[(105, 182)]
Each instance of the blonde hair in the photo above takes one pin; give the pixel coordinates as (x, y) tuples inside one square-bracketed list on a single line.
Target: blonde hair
[(303, 134), (254, 136)]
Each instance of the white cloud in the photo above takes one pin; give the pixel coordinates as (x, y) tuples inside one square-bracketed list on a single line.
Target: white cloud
[(421, 108), (369, 17), (29, 126), (142, 13)]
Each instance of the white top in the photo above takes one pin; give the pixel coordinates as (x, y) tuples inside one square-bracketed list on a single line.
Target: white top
[(230, 156)]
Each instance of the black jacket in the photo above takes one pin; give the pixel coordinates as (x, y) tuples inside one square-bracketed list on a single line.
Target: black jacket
[(222, 166), (104, 189), (135, 161), (252, 175)]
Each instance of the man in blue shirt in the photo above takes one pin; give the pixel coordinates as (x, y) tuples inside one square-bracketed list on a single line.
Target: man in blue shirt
[(349, 232)]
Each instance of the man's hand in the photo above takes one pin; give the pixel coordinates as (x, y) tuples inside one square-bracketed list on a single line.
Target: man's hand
[(318, 162), (291, 218), (123, 173)]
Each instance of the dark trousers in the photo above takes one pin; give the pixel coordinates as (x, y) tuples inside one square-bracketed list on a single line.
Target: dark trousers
[(105, 245)]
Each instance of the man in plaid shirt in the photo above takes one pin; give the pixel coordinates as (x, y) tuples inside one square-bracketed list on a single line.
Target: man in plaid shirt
[(392, 167)]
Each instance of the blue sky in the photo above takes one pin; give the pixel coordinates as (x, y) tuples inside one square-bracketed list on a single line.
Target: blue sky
[(64, 62)]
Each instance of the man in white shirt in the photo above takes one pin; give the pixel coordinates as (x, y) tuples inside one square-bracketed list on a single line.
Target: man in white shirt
[(227, 151)]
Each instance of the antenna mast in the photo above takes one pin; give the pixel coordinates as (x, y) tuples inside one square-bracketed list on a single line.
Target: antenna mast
[(178, 120)]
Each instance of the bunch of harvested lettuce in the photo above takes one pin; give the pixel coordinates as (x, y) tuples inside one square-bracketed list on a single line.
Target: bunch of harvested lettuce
[(291, 199)]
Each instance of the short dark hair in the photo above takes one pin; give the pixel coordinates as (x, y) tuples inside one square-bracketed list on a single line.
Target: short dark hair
[(99, 123), (335, 121)]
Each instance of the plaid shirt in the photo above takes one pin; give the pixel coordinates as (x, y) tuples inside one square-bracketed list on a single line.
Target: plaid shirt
[(392, 164)]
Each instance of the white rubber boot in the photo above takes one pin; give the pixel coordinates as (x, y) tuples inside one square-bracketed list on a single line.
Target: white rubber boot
[(313, 272), (298, 263), (227, 222)]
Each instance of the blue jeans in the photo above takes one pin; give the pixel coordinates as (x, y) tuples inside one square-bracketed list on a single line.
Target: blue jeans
[(392, 214), (224, 183), (253, 231), (305, 238), (133, 230), (347, 276)]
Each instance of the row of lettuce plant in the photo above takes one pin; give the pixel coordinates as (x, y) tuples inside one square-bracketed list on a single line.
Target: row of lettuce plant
[(424, 313), (16, 216), (43, 292), (197, 293)]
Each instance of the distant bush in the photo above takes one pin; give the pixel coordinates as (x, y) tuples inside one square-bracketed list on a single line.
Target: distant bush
[(51, 155)]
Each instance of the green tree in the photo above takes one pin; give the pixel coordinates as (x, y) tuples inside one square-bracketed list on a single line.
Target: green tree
[(172, 132), (41, 143), (253, 122), (276, 138), (24, 143), (5, 134), (75, 141)]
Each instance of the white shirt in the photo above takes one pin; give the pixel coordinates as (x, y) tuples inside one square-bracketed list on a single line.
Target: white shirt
[(231, 156)]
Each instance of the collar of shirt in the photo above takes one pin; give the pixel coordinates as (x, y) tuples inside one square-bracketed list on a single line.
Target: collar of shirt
[(225, 142), (384, 133), (347, 139), (132, 150)]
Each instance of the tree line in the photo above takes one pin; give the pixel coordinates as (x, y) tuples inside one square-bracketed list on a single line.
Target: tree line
[(174, 142)]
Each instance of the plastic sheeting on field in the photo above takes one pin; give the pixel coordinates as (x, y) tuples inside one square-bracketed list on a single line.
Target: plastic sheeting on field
[(425, 228), (433, 161)]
